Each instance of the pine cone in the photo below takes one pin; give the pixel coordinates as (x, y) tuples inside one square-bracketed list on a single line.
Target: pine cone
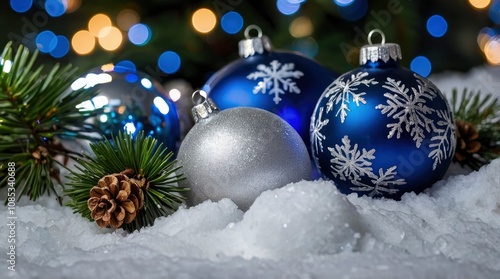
[(115, 200), (467, 143)]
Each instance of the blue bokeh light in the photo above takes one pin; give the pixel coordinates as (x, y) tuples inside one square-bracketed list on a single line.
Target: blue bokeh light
[(55, 8), (343, 3), (421, 65), (354, 11), (169, 62), (132, 78), (287, 8), (437, 26), (46, 41), (125, 66), (21, 6), (139, 34), (61, 48), (232, 22), (494, 12)]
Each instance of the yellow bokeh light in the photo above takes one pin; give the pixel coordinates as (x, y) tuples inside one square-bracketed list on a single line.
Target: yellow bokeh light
[(83, 42), (127, 18), (110, 38), (203, 20), (72, 5), (482, 39), (97, 23), (108, 67), (479, 4), (301, 27), (492, 51)]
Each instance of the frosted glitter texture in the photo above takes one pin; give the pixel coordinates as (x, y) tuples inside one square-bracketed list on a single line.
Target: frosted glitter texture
[(239, 153)]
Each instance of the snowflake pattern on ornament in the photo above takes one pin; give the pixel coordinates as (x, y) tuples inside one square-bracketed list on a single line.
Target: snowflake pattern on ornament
[(408, 106), (351, 164), (273, 77), (317, 136), (342, 91), (443, 145)]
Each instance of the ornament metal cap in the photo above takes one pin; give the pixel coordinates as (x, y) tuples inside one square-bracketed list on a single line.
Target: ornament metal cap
[(382, 51), (250, 46), (204, 106)]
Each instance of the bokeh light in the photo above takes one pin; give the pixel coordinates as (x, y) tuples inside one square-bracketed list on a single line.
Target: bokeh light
[(301, 27), (231, 22), (479, 4), (99, 22), (494, 12), (287, 8), (421, 65), (161, 105), (72, 5), (46, 41), (83, 42), (354, 11), (146, 83), (127, 18), (437, 26), (139, 34), (55, 8), (169, 62), (203, 20), (343, 3), (492, 50), (110, 38), (132, 78), (125, 66), (21, 6), (174, 94), (61, 48)]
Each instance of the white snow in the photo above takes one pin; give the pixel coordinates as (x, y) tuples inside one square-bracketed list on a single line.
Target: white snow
[(303, 230)]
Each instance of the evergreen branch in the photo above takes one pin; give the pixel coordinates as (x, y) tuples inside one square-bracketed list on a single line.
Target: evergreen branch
[(36, 111), (482, 113), (141, 157)]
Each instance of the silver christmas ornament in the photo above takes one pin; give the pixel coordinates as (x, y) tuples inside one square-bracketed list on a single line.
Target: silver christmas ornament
[(239, 153)]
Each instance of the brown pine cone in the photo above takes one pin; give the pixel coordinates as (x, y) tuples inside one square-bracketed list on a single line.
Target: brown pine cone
[(467, 143), (115, 200)]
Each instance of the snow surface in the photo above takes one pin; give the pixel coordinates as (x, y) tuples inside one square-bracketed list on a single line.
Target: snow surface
[(303, 230)]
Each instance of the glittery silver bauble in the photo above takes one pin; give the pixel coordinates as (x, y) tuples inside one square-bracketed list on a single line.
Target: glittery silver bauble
[(239, 153)]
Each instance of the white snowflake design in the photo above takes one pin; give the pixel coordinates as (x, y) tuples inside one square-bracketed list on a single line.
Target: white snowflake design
[(382, 183), (443, 144), (273, 77), (353, 165), (317, 136), (409, 109), (341, 91)]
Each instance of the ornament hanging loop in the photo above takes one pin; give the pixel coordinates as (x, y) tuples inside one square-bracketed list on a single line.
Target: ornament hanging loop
[(373, 32), (252, 27), (204, 106), (199, 96)]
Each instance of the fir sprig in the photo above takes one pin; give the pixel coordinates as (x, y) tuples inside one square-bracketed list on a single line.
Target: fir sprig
[(483, 113), (36, 112), (146, 158)]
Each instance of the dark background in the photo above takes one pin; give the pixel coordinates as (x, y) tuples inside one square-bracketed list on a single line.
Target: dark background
[(337, 38)]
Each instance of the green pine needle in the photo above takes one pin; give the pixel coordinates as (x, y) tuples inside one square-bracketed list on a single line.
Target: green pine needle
[(145, 157), (36, 111), (483, 112)]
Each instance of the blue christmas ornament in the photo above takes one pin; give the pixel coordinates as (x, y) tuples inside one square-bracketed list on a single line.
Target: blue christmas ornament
[(382, 130), (131, 102), (283, 82)]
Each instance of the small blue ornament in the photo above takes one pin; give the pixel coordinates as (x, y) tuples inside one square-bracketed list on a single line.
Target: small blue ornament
[(132, 102), (382, 130), (282, 82)]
